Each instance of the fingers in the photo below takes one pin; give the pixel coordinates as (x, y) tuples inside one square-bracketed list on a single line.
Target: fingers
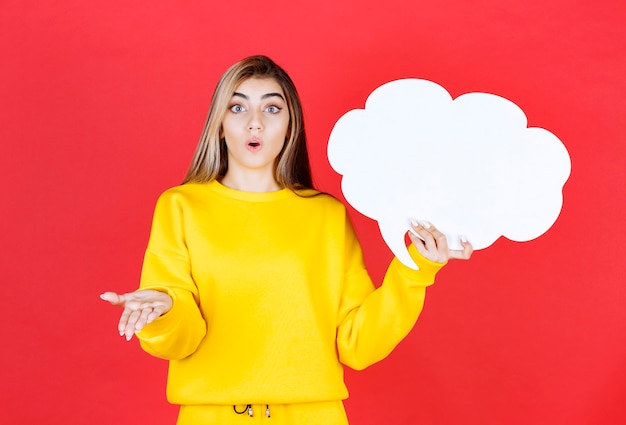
[(157, 312), (131, 324), (143, 318), (134, 320), (123, 323), (429, 241), (113, 298), (464, 254), (433, 244)]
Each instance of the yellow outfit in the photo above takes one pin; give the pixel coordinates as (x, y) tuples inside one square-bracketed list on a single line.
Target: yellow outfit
[(271, 296)]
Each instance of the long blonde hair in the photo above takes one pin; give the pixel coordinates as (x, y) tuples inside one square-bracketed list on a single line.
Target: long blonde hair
[(210, 160)]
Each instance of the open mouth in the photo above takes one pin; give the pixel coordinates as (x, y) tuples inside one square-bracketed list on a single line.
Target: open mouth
[(254, 144)]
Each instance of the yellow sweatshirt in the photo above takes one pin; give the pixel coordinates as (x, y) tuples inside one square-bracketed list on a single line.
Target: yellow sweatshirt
[(270, 295)]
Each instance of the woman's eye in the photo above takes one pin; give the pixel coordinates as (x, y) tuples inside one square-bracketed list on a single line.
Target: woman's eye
[(273, 109), (236, 108)]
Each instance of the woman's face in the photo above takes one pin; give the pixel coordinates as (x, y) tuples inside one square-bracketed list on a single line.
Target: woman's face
[(255, 125)]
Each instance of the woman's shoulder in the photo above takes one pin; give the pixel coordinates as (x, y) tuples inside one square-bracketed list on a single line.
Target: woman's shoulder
[(321, 199), (181, 193), (180, 190)]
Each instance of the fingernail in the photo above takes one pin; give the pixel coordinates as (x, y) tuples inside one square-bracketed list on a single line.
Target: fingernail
[(463, 238), (414, 222), (426, 224), (128, 337)]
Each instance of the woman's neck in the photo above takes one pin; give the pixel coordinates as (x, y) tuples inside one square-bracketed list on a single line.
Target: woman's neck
[(250, 181)]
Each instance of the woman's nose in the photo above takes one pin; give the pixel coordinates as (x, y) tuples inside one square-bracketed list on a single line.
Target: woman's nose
[(255, 123)]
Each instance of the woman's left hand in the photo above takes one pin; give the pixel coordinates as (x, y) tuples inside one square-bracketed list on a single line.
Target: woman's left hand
[(433, 245)]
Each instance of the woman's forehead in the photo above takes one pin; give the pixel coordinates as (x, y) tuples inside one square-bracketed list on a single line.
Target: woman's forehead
[(259, 85)]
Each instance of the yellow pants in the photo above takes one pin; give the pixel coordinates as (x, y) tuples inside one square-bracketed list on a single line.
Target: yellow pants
[(327, 413)]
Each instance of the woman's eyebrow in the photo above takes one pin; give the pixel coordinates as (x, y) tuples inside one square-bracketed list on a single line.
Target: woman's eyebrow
[(265, 96)]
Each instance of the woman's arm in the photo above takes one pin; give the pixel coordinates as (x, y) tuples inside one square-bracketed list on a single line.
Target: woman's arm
[(164, 312), (373, 322)]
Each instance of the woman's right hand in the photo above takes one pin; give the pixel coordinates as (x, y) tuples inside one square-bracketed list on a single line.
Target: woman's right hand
[(140, 308)]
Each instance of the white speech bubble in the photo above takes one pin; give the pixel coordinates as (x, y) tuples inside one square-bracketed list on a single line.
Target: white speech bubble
[(471, 166)]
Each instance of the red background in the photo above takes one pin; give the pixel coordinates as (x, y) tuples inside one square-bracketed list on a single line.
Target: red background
[(102, 106)]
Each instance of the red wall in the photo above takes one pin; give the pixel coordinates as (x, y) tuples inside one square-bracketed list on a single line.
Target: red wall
[(101, 107)]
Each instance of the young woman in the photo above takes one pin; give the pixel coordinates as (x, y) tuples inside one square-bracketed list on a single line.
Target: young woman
[(253, 284)]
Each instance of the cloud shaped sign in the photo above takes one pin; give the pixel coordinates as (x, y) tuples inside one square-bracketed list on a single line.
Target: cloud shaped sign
[(469, 165)]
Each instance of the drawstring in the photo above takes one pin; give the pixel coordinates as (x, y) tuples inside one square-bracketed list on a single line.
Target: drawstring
[(249, 410)]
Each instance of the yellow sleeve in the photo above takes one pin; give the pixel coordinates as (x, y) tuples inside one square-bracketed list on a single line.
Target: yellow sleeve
[(166, 268), (374, 321)]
